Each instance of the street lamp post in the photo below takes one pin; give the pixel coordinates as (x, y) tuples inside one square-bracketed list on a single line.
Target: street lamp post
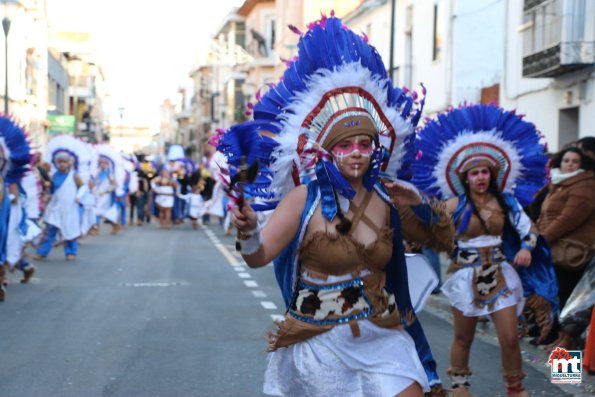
[(8, 5), (121, 111), (6, 28)]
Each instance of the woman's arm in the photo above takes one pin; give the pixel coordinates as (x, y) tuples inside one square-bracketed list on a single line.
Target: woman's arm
[(279, 231), (435, 230), (424, 221), (78, 180)]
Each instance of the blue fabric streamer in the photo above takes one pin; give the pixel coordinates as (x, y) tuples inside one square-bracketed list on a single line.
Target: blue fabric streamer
[(371, 176), (331, 180), (4, 218), (58, 180)]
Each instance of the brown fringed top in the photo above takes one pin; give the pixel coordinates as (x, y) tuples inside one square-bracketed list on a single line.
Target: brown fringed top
[(332, 253), (493, 217)]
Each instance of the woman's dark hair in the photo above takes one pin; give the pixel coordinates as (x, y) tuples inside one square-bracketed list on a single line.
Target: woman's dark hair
[(492, 188), (556, 161), (587, 143), (344, 224)]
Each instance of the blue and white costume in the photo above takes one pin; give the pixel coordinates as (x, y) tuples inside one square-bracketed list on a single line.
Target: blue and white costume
[(63, 213), (337, 79), (513, 149), (107, 182)]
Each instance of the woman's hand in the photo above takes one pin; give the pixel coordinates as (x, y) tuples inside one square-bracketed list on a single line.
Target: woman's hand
[(401, 194), (245, 219), (522, 258)]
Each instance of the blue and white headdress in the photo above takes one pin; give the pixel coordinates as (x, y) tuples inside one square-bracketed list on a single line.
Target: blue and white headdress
[(67, 146), (14, 151), (337, 79), (115, 160), (474, 135)]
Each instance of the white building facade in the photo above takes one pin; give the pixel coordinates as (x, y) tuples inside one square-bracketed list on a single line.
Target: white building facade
[(549, 66)]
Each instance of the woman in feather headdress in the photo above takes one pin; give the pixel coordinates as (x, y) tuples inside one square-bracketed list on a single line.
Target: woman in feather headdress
[(487, 163), (14, 163), (314, 153)]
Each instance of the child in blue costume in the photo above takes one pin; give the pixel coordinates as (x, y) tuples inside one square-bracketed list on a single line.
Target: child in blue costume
[(62, 215), (334, 120)]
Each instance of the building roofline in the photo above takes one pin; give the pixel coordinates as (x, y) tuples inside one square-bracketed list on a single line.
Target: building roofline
[(365, 7), (232, 16), (246, 8)]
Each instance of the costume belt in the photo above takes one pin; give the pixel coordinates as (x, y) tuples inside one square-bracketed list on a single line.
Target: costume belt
[(331, 304), (473, 257), (318, 308), (488, 281)]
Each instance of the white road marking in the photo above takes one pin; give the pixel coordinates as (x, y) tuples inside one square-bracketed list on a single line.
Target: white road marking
[(236, 261), (268, 305), (232, 261), (277, 317)]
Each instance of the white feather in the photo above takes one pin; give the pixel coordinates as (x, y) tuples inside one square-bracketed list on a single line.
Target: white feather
[(492, 137), (323, 81), (5, 153), (75, 146)]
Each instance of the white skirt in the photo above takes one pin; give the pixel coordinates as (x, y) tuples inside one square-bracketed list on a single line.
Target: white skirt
[(459, 291), (380, 362)]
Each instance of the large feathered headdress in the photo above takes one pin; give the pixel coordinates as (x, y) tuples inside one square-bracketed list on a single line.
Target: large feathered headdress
[(115, 160), (14, 151), (67, 145), (474, 135), (336, 81)]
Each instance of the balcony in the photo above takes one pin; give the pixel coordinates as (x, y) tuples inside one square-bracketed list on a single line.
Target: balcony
[(560, 59), (556, 40)]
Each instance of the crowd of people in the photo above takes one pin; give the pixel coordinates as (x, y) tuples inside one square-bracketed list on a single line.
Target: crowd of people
[(333, 158), (74, 188)]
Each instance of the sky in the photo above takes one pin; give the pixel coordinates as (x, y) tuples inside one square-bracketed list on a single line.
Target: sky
[(146, 48)]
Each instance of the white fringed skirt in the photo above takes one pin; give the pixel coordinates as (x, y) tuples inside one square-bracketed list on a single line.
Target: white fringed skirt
[(379, 362)]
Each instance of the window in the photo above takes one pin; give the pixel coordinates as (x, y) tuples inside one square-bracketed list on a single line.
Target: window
[(271, 33), (542, 26)]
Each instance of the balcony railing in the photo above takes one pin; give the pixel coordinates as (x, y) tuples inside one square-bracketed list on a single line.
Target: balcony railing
[(559, 59), (554, 38)]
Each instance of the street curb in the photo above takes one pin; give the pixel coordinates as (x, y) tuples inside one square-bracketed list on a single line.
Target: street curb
[(439, 306)]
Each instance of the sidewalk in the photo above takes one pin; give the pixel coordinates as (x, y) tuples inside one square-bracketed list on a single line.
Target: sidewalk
[(532, 355)]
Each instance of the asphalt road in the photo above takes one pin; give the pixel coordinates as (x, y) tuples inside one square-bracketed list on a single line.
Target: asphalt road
[(165, 313)]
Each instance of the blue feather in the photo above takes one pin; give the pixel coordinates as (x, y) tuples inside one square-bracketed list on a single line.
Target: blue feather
[(437, 134), (16, 142)]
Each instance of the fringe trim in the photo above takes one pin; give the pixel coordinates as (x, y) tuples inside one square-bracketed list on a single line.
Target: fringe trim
[(459, 377), (437, 391), (514, 381), (443, 230), (539, 310)]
